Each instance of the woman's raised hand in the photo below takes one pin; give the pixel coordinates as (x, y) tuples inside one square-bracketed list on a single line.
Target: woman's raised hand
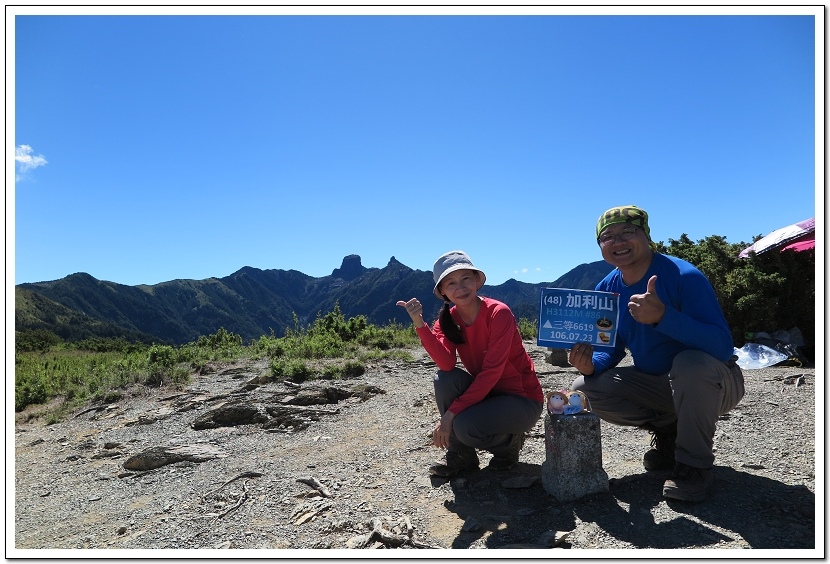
[(415, 310)]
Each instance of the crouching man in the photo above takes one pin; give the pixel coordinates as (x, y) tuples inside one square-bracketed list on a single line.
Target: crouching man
[(684, 374)]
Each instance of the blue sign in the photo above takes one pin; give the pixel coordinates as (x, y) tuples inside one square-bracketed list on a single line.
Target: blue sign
[(568, 316)]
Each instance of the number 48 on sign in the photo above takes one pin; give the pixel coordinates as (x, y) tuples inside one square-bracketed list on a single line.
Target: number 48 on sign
[(568, 316)]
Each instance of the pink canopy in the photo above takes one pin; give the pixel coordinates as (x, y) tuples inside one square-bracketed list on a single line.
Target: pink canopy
[(802, 245), (798, 236)]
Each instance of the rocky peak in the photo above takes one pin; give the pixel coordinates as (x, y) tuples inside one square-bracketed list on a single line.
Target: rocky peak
[(350, 269)]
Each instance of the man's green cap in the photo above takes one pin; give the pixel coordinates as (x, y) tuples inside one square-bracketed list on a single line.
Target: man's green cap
[(624, 214)]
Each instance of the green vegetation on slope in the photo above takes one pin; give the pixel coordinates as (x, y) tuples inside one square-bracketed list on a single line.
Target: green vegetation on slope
[(99, 370)]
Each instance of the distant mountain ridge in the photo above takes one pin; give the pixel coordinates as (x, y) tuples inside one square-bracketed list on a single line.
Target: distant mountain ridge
[(251, 302)]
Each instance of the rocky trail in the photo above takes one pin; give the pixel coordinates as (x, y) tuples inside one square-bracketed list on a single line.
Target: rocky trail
[(240, 462)]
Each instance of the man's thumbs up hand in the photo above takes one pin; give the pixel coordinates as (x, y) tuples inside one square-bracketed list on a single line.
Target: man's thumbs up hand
[(647, 308)]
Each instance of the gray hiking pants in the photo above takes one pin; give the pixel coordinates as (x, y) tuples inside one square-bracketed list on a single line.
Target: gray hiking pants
[(697, 390), (493, 424)]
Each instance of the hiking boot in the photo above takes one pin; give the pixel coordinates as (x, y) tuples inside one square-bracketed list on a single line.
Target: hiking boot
[(510, 457), (454, 462), (661, 455), (688, 483)]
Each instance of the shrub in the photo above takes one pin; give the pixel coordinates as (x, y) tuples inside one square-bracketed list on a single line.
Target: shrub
[(293, 369), (767, 292), (349, 369), (334, 323), (269, 346), (528, 328), (161, 356), (222, 339), (163, 364), (35, 340), (28, 390), (220, 345), (393, 335)]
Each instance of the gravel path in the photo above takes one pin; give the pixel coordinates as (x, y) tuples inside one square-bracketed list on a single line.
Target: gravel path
[(351, 475)]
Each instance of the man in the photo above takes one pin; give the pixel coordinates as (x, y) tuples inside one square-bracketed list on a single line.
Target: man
[(684, 375)]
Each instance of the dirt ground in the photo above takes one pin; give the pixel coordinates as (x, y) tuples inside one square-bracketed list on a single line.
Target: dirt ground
[(309, 479)]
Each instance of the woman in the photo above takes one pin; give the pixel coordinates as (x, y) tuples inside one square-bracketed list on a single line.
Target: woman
[(490, 405)]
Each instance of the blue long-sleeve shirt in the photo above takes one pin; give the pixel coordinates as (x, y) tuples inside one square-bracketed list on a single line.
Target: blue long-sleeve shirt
[(693, 318)]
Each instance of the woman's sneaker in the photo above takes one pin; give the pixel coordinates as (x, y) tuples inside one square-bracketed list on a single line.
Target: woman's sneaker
[(688, 483), (510, 457), (454, 462)]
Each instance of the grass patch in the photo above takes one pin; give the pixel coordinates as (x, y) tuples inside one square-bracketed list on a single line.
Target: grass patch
[(58, 378)]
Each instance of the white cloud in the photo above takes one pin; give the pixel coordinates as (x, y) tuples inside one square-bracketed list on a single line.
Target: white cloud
[(525, 270), (25, 161)]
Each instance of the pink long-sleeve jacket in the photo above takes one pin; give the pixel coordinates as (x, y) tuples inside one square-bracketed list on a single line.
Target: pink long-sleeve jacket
[(492, 353)]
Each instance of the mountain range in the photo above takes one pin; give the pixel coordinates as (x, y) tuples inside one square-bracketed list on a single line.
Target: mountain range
[(252, 302)]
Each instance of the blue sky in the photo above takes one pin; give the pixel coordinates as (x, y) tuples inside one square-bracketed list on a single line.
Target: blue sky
[(150, 148)]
